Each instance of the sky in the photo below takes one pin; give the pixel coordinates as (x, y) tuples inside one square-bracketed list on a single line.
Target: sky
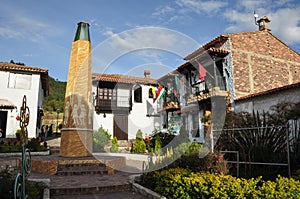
[(128, 36)]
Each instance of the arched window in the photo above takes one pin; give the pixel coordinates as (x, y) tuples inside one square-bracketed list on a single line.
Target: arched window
[(138, 94)]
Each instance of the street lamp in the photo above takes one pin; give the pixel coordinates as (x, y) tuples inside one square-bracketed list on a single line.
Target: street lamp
[(57, 111)]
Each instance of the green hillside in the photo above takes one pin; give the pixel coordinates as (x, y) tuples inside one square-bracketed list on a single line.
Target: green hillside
[(56, 97)]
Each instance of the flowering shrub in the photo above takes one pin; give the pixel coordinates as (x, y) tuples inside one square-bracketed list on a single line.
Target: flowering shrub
[(215, 163), (182, 183)]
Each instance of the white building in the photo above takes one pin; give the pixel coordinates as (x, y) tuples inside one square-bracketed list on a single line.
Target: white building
[(123, 105), (263, 101), (15, 82)]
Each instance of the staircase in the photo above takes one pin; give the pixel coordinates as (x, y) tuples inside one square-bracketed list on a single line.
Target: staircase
[(87, 178)]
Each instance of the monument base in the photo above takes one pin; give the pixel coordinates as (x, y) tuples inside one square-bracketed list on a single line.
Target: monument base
[(76, 143)]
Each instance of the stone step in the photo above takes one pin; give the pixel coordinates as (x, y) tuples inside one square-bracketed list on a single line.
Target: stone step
[(82, 172), (54, 151), (81, 167), (89, 190)]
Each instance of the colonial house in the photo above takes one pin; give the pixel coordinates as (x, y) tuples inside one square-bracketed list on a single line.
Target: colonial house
[(123, 104), (223, 74), (15, 82)]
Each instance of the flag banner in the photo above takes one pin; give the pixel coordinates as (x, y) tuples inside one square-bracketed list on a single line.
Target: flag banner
[(202, 72), (177, 83), (160, 93)]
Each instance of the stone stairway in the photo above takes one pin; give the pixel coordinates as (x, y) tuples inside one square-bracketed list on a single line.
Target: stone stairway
[(81, 176), (78, 177), (82, 169)]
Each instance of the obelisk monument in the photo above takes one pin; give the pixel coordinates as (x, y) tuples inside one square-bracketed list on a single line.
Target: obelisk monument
[(76, 134)]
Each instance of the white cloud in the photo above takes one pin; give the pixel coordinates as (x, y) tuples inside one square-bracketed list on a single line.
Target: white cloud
[(200, 7), (163, 10), (146, 41), (285, 19), (17, 26), (286, 24)]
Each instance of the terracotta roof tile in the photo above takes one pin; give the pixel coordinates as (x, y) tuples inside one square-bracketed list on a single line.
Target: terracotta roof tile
[(274, 90), (210, 45), (4, 66), (124, 79), (205, 47), (15, 67), (5, 104)]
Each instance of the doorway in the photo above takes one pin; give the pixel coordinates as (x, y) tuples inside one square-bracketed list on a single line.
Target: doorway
[(121, 126), (3, 121)]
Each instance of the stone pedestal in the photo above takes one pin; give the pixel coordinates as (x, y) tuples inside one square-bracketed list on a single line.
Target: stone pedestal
[(76, 143)]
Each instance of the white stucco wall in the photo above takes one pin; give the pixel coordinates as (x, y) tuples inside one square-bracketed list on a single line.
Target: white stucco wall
[(34, 97), (137, 118), (264, 102)]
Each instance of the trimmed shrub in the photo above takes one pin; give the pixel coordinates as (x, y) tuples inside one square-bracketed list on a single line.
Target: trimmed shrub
[(182, 183), (139, 145), (101, 138), (115, 145), (158, 143)]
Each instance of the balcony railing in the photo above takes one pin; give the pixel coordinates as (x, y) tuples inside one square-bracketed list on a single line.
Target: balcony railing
[(121, 102)]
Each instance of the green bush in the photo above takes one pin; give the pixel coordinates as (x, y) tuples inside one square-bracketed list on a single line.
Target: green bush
[(115, 145), (158, 143), (101, 138), (139, 135), (7, 179), (139, 145), (182, 183), (165, 138), (34, 145)]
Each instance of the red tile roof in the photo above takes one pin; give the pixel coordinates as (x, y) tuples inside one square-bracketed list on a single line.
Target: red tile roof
[(5, 104), (4, 66), (274, 90), (205, 47), (124, 79), (221, 38)]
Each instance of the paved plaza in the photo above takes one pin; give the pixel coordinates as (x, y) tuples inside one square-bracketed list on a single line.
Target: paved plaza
[(116, 185)]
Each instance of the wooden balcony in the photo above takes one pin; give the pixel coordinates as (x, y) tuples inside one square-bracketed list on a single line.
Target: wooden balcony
[(215, 91)]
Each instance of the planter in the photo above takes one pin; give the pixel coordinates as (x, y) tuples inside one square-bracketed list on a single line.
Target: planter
[(136, 187)]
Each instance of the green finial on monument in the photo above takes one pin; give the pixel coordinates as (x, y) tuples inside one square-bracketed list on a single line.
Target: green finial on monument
[(82, 32)]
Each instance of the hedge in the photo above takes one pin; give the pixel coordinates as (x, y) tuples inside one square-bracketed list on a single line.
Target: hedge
[(182, 183)]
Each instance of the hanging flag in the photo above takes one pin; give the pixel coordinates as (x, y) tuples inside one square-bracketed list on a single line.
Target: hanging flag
[(160, 93), (177, 83), (202, 72), (153, 90)]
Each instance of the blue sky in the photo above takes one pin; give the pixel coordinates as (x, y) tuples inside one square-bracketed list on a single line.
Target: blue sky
[(142, 34)]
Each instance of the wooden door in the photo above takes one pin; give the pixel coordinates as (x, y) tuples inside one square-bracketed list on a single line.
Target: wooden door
[(121, 126)]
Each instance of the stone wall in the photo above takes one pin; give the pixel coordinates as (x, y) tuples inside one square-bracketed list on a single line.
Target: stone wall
[(262, 62)]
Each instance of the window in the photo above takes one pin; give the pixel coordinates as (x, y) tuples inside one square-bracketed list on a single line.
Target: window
[(107, 93), (123, 98), (19, 81), (138, 94)]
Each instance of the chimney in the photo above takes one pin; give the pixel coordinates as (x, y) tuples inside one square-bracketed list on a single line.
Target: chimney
[(147, 73), (264, 23)]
